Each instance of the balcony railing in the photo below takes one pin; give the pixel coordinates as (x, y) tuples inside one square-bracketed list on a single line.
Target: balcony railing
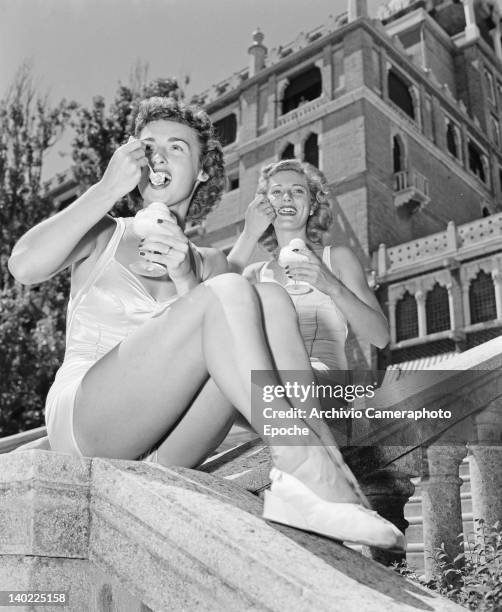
[(478, 237), (411, 190), (301, 111)]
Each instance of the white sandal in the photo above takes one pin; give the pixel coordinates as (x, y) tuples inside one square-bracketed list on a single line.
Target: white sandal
[(290, 502)]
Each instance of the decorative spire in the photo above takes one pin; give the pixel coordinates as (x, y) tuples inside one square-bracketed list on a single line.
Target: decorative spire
[(257, 52)]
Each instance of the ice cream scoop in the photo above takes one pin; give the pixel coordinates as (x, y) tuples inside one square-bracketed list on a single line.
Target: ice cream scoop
[(290, 253), (146, 220)]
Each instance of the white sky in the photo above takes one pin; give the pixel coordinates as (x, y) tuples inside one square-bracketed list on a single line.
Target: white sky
[(80, 48)]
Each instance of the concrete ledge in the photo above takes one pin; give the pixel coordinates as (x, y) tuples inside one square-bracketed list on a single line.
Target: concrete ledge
[(177, 539), (44, 504)]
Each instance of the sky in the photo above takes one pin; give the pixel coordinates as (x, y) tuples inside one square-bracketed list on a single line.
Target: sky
[(80, 48)]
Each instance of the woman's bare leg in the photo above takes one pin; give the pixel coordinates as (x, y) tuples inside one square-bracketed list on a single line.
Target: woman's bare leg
[(141, 389), (205, 424)]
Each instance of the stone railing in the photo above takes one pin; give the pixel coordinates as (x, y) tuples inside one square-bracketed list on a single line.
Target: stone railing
[(411, 179), (301, 111), (467, 240)]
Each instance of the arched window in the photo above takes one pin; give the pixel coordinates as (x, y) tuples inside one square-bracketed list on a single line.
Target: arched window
[(302, 88), (399, 93), (477, 163), (482, 298), (226, 129), (311, 150), (452, 140), (288, 151), (437, 310), (406, 317), (398, 154)]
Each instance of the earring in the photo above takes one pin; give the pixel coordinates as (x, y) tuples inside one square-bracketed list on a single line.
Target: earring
[(311, 212)]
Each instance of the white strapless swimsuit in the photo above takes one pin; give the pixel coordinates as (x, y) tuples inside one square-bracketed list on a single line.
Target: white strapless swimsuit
[(111, 304)]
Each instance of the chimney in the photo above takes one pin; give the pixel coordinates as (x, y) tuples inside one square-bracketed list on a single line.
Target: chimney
[(357, 8), (257, 52)]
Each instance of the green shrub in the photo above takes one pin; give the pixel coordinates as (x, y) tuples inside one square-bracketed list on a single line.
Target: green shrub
[(474, 578)]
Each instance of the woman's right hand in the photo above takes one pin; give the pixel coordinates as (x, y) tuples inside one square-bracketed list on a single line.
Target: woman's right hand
[(259, 215), (124, 169)]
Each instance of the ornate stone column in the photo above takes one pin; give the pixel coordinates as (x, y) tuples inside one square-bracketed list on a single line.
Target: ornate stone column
[(485, 462), (442, 512), (497, 282), (422, 318), (392, 321), (465, 300)]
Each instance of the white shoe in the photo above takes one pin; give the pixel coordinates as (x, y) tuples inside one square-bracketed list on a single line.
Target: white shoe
[(292, 503)]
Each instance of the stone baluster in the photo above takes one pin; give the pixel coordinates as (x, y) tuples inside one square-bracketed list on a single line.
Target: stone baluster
[(442, 512), (485, 462)]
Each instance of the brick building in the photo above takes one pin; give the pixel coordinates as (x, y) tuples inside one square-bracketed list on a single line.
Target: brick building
[(402, 115)]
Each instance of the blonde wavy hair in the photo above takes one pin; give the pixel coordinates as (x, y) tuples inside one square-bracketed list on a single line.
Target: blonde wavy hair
[(320, 221)]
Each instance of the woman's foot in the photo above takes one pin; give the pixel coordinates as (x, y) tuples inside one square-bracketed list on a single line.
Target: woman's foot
[(291, 502), (323, 470)]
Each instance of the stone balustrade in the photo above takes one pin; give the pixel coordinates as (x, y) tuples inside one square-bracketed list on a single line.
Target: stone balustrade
[(301, 111), (461, 242)]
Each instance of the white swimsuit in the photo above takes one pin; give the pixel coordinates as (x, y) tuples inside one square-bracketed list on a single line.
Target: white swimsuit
[(322, 326), (111, 304)]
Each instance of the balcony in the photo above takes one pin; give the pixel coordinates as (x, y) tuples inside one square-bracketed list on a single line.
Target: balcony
[(411, 191)]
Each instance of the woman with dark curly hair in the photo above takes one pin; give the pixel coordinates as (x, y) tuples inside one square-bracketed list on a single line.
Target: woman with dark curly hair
[(159, 362), (292, 202)]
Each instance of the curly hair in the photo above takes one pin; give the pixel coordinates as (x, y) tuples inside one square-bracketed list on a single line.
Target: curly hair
[(209, 193), (320, 221)]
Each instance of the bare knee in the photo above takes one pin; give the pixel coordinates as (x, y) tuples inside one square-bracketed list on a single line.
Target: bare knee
[(276, 302), (232, 288)]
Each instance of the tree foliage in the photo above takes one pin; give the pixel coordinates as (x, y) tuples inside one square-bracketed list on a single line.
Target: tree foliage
[(31, 318)]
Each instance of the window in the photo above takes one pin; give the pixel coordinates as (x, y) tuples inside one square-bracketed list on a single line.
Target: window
[(302, 88), (477, 161), (490, 87), (482, 298), (311, 150), (233, 182), (406, 317), (226, 129), (339, 69), (495, 131), (398, 154), (288, 151), (399, 93), (452, 139), (437, 310)]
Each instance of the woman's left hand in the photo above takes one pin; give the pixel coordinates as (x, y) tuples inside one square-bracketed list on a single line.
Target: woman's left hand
[(313, 272), (169, 246)]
